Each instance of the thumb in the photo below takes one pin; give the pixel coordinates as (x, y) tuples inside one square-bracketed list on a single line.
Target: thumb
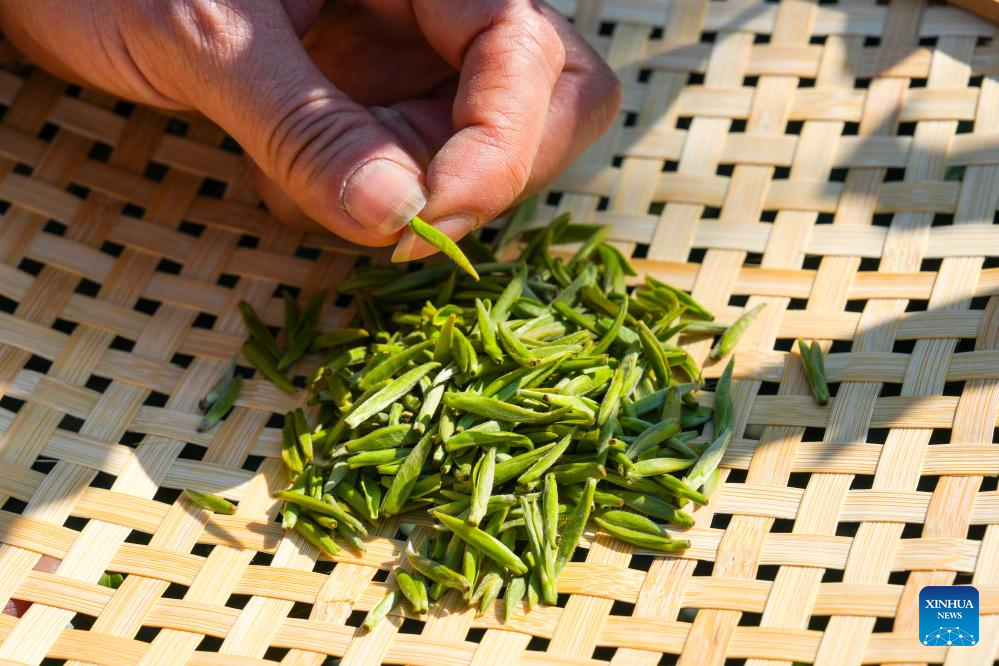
[(332, 157)]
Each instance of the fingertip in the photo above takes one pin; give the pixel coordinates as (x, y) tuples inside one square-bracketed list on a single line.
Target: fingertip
[(456, 227)]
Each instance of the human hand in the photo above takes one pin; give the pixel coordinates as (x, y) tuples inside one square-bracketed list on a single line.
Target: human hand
[(390, 107)]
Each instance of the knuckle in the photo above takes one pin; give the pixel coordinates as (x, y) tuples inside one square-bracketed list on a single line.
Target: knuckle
[(506, 126), (306, 137), (514, 166), (175, 42), (534, 37), (551, 44), (210, 27)]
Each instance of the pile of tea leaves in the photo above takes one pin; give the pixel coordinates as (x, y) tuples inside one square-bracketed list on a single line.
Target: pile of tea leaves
[(514, 409)]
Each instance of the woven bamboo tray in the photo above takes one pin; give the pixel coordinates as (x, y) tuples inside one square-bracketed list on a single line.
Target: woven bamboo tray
[(837, 161)]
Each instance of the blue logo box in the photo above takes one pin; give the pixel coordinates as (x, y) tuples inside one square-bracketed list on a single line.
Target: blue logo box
[(948, 615)]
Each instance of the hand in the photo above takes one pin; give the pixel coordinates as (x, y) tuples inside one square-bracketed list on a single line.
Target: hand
[(389, 107)]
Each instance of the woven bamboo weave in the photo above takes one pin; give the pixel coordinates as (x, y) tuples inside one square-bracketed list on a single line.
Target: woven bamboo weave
[(836, 161)]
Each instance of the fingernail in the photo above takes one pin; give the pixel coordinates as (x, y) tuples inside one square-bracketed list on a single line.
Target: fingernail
[(404, 248), (383, 195), (411, 248)]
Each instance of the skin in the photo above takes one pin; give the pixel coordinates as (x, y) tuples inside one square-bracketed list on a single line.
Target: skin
[(356, 114)]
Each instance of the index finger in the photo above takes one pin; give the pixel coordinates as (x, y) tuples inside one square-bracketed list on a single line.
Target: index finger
[(510, 57)]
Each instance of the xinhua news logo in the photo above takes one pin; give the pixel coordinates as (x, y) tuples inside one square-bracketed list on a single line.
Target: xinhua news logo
[(948, 615)]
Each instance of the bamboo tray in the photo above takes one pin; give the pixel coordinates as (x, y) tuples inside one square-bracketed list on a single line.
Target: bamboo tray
[(837, 161)]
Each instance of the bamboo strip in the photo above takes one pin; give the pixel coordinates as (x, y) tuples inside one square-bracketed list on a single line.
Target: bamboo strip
[(836, 162)]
